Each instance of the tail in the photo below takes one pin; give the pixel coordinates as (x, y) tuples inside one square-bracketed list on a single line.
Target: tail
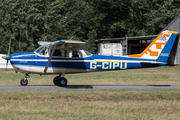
[(160, 48)]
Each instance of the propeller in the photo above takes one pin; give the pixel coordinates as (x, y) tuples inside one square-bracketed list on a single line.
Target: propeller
[(7, 57)]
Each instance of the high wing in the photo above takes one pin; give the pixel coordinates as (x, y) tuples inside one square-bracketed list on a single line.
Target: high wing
[(63, 44), (66, 44)]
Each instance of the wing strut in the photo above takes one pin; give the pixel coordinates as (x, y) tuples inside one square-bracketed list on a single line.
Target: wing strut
[(49, 60)]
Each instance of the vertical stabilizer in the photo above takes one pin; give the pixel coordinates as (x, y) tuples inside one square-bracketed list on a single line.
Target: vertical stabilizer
[(160, 48)]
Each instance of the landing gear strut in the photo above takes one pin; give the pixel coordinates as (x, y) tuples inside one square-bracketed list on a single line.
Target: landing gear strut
[(60, 81), (24, 80)]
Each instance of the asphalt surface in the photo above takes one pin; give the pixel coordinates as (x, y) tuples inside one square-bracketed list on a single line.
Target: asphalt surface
[(38, 87)]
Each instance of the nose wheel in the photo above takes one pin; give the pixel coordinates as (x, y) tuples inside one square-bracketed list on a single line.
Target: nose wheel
[(60, 81), (24, 80)]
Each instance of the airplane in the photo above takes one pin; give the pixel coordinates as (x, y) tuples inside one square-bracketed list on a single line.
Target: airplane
[(67, 57)]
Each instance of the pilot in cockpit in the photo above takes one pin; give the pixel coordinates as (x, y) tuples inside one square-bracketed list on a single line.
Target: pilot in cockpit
[(74, 54)]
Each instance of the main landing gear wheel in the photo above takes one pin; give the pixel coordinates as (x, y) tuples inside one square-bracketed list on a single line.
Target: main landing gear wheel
[(60, 81), (24, 81), (55, 80)]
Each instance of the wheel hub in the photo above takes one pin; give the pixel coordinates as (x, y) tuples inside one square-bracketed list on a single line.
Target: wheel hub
[(62, 82)]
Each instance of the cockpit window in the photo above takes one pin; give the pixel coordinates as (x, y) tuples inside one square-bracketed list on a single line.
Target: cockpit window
[(59, 53), (75, 54), (41, 50), (78, 53)]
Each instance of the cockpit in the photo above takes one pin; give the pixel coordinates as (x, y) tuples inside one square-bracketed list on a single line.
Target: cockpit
[(59, 51)]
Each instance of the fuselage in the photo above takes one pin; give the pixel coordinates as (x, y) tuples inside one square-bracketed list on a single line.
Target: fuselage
[(31, 62)]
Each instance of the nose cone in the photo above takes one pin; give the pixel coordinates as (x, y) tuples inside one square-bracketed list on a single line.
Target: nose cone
[(6, 57)]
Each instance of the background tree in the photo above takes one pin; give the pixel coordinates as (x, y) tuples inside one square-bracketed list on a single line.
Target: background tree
[(28, 21)]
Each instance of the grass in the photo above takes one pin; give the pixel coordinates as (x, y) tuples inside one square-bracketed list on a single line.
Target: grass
[(126, 104), (167, 75), (90, 104)]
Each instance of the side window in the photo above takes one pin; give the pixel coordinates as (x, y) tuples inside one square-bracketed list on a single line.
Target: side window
[(59, 53), (75, 54)]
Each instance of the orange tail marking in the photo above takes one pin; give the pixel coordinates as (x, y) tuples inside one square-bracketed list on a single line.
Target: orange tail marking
[(135, 55), (166, 35), (152, 53), (159, 45)]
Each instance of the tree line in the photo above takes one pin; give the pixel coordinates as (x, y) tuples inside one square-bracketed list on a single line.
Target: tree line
[(28, 21)]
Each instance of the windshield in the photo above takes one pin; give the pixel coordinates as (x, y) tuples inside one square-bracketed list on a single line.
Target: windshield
[(40, 50), (43, 50)]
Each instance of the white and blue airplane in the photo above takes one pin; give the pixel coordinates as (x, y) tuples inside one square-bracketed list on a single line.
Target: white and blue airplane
[(67, 56)]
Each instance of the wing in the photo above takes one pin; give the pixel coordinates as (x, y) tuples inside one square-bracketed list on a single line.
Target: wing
[(66, 44), (44, 43)]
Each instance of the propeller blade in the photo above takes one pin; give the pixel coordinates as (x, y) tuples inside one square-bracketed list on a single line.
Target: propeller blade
[(9, 50), (7, 64)]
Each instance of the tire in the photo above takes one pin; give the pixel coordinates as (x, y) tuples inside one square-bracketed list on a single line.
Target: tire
[(62, 82), (55, 80), (24, 81)]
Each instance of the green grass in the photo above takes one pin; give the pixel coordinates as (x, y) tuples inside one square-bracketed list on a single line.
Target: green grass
[(89, 104), (167, 75), (125, 104)]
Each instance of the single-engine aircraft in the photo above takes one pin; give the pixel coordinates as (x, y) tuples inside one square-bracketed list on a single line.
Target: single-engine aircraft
[(67, 56)]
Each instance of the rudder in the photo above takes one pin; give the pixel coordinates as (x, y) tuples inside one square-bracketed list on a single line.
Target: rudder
[(164, 55)]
